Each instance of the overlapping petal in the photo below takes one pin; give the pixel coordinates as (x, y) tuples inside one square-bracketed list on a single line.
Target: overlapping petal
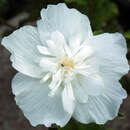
[(68, 98), (32, 97), (79, 91), (71, 23), (110, 53), (103, 107), (92, 85), (22, 45)]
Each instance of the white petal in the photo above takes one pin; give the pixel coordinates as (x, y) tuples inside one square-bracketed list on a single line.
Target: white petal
[(68, 51), (46, 77), (75, 43), (55, 83), (114, 89), (47, 64), (110, 53), (68, 98), (43, 50), (44, 31), (55, 46), (59, 40), (32, 97), (51, 46), (84, 52), (70, 22), (101, 108), (22, 44), (93, 84), (79, 92)]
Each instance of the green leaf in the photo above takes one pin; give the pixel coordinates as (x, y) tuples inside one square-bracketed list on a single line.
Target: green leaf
[(97, 32), (78, 2), (100, 12), (2, 2), (121, 116), (74, 125), (103, 11), (91, 126), (127, 35)]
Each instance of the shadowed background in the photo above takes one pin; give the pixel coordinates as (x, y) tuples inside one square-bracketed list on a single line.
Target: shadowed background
[(105, 16)]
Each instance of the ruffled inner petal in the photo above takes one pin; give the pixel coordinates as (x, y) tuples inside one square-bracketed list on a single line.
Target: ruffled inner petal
[(70, 22), (68, 98)]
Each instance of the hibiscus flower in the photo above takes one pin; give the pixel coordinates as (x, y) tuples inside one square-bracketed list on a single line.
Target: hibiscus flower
[(65, 71)]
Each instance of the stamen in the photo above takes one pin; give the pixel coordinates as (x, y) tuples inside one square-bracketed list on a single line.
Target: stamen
[(67, 62), (62, 65)]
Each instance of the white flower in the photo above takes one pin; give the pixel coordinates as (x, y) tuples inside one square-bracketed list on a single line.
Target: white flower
[(65, 71)]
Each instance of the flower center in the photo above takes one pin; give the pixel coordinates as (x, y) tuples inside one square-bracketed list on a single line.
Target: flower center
[(67, 63)]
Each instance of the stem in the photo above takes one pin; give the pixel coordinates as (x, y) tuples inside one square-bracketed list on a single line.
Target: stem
[(91, 9), (7, 24)]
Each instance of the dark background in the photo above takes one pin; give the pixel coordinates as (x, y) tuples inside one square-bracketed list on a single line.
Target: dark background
[(105, 16)]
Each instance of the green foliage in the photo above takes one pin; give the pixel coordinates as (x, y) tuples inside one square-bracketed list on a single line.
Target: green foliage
[(73, 125), (79, 2), (3, 4), (127, 35), (100, 12), (91, 126), (121, 116), (104, 11), (9, 8), (97, 32)]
